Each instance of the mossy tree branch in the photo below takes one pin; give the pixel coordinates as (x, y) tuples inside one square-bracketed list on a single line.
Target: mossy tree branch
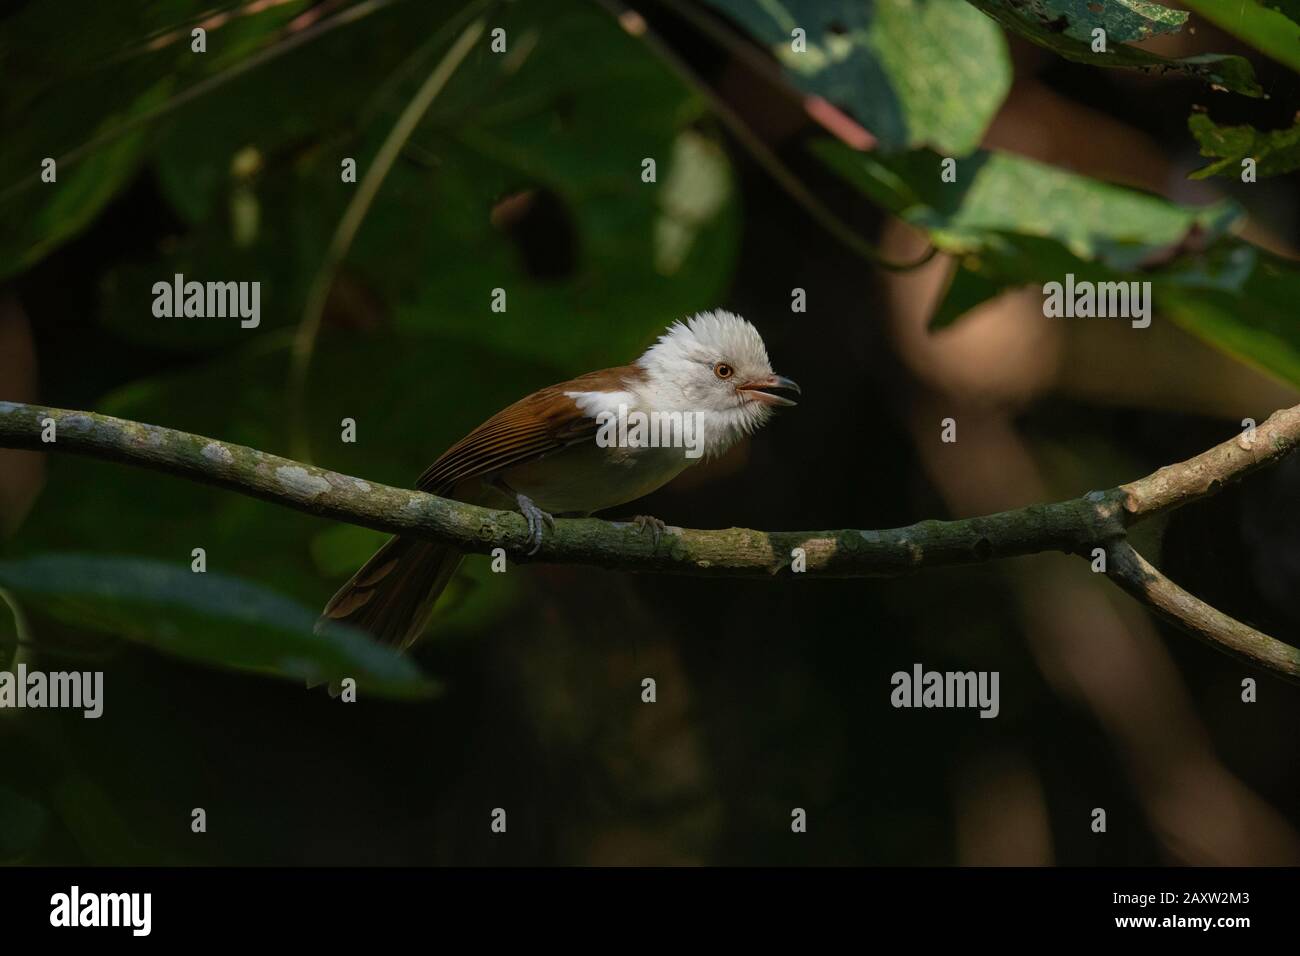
[(1099, 519)]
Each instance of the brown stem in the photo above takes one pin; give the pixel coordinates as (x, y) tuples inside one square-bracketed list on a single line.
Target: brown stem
[(1098, 519)]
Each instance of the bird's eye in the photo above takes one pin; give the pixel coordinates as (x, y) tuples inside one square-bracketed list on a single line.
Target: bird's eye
[(723, 370)]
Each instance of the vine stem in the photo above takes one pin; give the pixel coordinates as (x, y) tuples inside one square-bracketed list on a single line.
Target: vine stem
[(304, 341)]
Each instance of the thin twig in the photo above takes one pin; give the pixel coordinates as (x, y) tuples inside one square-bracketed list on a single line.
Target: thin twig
[(1135, 575), (1176, 485), (304, 342)]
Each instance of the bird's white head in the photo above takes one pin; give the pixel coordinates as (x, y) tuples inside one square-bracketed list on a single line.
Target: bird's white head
[(715, 364)]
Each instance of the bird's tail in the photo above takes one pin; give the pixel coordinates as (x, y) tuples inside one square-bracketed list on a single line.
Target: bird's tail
[(393, 594)]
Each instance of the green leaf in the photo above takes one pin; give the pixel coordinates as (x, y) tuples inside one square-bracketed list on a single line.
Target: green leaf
[(1065, 27), (1275, 152), (258, 192), (913, 72), (211, 618), (1270, 26), (1253, 320), (46, 214), (433, 392), (1012, 221), (1288, 8), (560, 140), (85, 98), (967, 288), (1124, 21), (22, 825), (999, 194)]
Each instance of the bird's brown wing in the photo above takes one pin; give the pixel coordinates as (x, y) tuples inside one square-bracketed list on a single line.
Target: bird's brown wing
[(393, 595), (544, 422)]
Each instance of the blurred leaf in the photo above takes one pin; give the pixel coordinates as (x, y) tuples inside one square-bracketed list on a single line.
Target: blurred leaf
[(1065, 27), (697, 187), (1254, 321), (22, 824), (259, 191), (48, 214), (1000, 194), (913, 72), (99, 826), (211, 618), (573, 132), (433, 391), (1270, 26), (1275, 152), (1011, 221), (966, 289), (524, 176), (83, 95), (1288, 8), (1007, 260)]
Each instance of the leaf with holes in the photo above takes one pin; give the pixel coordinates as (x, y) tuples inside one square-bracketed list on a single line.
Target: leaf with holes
[(1275, 152), (913, 72), (1124, 21), (1065, 27)]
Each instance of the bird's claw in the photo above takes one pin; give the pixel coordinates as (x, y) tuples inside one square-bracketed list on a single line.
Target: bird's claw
[(656, 526), (536, 518)]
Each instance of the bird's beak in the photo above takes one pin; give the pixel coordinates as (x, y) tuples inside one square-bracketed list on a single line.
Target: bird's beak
[(761, 390)]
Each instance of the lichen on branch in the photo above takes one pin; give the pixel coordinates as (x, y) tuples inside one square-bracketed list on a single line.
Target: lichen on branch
[(1097, 520)]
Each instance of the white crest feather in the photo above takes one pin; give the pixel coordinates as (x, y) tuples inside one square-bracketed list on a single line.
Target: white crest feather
[(680, 376), (706, 335)]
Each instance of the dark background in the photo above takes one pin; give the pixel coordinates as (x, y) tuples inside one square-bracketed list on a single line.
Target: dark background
[(771, 695)]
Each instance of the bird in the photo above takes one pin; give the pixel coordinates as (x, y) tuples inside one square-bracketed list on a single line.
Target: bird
[(574, 449)]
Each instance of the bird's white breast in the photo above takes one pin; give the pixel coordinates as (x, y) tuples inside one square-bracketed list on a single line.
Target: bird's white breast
[(587, 477)]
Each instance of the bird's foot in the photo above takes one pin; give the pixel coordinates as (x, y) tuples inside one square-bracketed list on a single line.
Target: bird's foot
[(656, 526), (536, 518)]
